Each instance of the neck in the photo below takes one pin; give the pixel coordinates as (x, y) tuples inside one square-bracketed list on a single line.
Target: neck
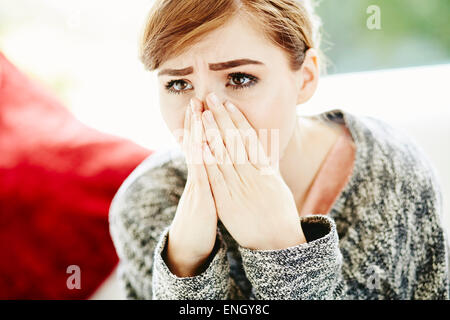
[(303, 156)]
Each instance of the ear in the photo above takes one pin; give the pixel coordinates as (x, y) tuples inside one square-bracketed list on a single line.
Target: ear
[(308, 76)]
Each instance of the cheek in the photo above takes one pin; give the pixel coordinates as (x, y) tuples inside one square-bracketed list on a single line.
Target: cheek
[(277, 114), (172, 110), (174, 119)]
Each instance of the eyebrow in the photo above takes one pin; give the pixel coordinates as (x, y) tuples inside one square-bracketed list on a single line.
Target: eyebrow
[(212, 66)]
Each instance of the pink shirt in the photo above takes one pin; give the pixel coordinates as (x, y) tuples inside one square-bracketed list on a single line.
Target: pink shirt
[(332, 176)]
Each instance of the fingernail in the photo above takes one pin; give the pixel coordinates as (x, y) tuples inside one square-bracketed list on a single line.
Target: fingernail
[(208, 116), (191, 102), (214, 98), (231, 107)]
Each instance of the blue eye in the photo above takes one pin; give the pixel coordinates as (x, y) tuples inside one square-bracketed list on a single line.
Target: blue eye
[(247, 80)]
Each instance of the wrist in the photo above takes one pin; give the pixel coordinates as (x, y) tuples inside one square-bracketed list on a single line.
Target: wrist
[(288, 240), (179, 265), (184, 266)]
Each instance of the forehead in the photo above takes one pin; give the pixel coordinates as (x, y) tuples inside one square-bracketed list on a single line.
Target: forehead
[(235, 40)]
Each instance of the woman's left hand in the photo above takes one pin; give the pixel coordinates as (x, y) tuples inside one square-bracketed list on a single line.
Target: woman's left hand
[(252, 199)]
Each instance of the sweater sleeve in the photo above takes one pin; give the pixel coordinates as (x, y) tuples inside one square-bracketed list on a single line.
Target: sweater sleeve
[(212, 283), (383, 260), (139, 219), (306, 271)]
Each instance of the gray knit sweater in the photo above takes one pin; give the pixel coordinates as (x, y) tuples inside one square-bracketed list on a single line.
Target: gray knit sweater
[(383, 239)]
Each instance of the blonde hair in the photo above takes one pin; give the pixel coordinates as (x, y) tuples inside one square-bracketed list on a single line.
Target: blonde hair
[(173, 26)]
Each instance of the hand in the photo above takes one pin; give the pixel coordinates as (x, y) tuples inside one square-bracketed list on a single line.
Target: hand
[(255, 206), (193, 230)]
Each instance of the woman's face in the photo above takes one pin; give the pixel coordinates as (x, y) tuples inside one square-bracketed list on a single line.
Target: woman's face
[(266, 92)]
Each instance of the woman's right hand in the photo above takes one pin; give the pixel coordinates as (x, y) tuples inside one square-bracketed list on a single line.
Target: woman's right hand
[(192, 234)]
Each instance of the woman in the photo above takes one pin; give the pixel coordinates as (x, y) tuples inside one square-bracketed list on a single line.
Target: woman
[(332, 206)]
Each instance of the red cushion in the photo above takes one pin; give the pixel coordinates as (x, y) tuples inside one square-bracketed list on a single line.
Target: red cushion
[(57, 180)]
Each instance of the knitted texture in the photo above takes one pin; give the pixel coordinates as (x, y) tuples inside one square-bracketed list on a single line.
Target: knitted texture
[(383, 238)]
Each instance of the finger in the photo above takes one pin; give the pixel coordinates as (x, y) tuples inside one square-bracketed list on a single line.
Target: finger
[(186, 130), (218, 150), (199, 175), (253, 145), (188, 140), (196, 138), (216, 180), (197, 105), (197, 109), (230, 135), (196, 170), (214, 138)]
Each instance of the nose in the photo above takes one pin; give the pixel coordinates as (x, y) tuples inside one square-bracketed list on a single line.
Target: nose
[(205, 84), (201, 98)]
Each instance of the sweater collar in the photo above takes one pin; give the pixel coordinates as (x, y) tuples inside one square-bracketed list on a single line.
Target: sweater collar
[(356, 130)]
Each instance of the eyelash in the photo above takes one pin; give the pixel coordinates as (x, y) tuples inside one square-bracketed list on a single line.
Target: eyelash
[(253, 81)]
